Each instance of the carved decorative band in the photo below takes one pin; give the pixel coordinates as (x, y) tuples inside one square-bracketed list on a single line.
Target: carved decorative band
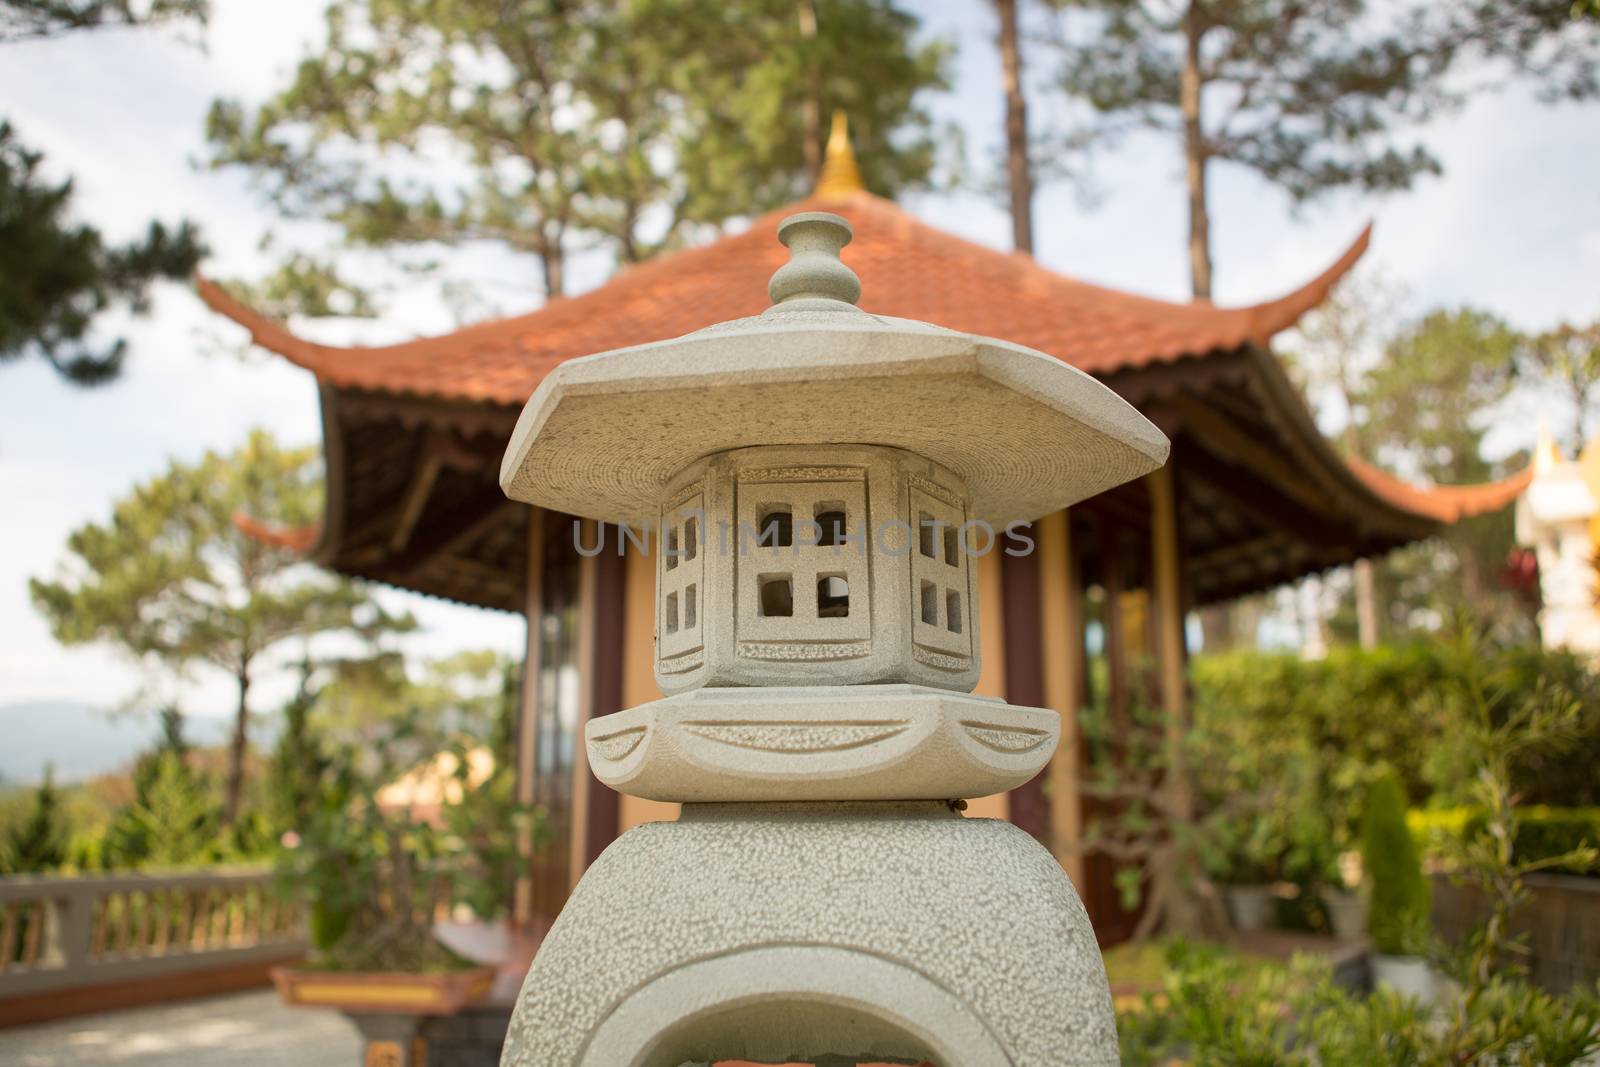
[(803, 652), (939, 661), (681, 664), (803, 474), (1012, 740), (798, 737), (619, 745), (683, 498), (937, 491)]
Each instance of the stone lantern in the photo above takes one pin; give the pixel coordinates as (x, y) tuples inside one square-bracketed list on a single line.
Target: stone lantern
[(820, 481)]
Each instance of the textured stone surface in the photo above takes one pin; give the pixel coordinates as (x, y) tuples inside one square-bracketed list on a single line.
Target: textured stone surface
[(867, 742), (880, 527), (787, 932)]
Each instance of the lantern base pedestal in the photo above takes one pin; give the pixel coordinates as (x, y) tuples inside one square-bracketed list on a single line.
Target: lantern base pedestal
[(780, 933)]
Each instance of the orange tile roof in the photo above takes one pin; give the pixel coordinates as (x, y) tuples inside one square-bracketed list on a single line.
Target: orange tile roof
[(907, 268)]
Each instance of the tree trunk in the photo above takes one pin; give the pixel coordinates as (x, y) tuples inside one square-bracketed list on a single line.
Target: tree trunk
[(236, 749), (1194, 157), (1019, 169), (1217, 627), (1366, 583), (811, 106), (553, 260)]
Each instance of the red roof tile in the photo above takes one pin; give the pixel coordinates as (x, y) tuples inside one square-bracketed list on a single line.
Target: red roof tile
[(907, 269)]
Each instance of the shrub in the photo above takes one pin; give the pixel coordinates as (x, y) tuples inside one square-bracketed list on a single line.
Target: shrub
[(1399, 912), (1542, 833)]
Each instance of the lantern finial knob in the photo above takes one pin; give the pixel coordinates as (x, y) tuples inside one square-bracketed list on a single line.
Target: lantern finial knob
[(814, 270)]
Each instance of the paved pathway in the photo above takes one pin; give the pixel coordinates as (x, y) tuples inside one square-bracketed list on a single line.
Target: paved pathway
[(238, 1030)]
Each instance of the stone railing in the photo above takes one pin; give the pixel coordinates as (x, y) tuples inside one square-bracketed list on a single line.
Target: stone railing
[(59, 934)]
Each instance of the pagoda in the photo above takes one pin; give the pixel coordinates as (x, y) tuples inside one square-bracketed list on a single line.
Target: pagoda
[(1253, 496)]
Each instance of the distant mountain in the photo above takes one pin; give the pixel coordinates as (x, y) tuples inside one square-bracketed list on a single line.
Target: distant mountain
[(81, 741)]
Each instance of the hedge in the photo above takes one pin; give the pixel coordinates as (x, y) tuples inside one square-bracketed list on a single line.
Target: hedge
[(1543, 832)]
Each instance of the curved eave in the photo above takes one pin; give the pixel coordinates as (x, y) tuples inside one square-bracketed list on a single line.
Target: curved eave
[(1445, 503), (1260, 323), (297, 539), (1418, 510)]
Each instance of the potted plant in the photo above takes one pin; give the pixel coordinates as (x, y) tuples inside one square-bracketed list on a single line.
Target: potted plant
[(1243, 861), (1398, 912), (1344, 900), (376, 873)]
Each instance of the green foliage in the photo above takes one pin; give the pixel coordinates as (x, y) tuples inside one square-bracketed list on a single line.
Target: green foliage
[(1213, 1010), (1315, 731), (1305, 94), (1357, 711), (58, 277), (25, 19), (1501, 722), (173, 579), (304, 285), (1216, 1008), (298, 764), (619, 123), (1567, 360), (374, 876), (1424, 405), (1423, 410), (1147, 822), (1544, 834), (175, 816), (38, 842), (1398, 917), (171, 822)]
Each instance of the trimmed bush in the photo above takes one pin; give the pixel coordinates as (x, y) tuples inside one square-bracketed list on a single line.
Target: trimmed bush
[(1398, 917), (1542, 832)]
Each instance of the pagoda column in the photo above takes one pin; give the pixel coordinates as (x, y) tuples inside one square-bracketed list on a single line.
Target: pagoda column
[(522, 910), (1062, 667)]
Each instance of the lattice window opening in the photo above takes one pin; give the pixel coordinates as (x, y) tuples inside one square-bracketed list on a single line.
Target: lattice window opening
[(680, 578), (776, 528), (833, 596), (776, 592), (830, 527), (939, 539)]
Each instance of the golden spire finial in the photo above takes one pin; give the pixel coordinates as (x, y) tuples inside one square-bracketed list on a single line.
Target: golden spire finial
[(840, 176)]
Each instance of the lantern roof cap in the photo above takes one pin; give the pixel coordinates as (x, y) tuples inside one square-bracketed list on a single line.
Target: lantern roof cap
[(603, 435)]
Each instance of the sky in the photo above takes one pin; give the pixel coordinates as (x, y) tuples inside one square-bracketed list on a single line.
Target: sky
[(1513, 225)]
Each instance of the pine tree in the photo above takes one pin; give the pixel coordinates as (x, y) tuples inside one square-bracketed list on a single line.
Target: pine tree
[(1310, 97), (39, 842), (298, 762), (171, 577), (58, 276), (627, 124), (1399, 911)]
